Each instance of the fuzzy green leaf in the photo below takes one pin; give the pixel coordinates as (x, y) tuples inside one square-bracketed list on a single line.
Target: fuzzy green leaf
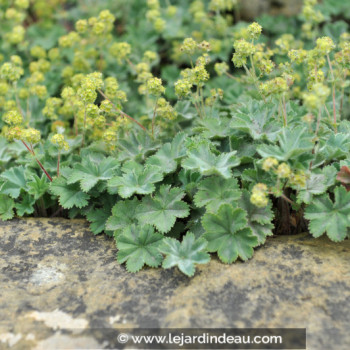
[(138, 246), (214, 191), (228, 235), (15, 181), (256, 119), (136, 179), (123, 215), (163, 209), (38, 186), (207, 163), (166, 158), (69, 195), (258, 219), (293, 142), (186, 254), (315, 184), (97, 219), (4, 154), (25, 206), (330, 217), (211, 127), (89, 173), (336, 147), (6, 207), (136, 146)]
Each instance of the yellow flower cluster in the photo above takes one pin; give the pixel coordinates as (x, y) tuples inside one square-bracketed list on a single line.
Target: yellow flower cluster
[(165, 110), (154, 15), (120, 51), (317, 97), (259, 195), (60, 142), (155, 86), (274, 86), (13, 117)]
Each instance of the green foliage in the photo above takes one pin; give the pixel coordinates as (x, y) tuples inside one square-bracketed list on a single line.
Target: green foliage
[(214, 191), (135, 179), (259, 220), (69, 195), (330, 217), (89, 173), (15, 181), (123, 215), (291, 143), (186, 254), (204, 161), (6, 207), (163, 209), (172, 146), (228, 235), (138, 246)]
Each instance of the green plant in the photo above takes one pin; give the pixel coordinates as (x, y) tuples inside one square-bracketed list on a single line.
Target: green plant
[(160, 142)]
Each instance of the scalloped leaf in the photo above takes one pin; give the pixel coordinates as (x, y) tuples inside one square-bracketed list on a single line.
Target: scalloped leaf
[(98, 219), (186, 254), (292, 142), (138, 246), (38, 186), (258, 219), (90, 172), (332, 218), (25, 206), (206, 162), (315, 184), (167, 156), (163, 209), (136, 179), (256, 119), (6, 207), (214, 191), (136, 146), (15, 181), (69, 195), (228, 235), (123, 215)]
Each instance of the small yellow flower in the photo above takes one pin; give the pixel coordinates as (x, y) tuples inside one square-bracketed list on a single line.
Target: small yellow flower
[(283, 171), (269, 163), (155, 87), (59, 141)]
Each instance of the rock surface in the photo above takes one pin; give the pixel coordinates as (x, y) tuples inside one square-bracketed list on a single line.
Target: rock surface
[(55, 275)]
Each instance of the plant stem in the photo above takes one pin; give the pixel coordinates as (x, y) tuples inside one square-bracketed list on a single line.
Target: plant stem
[(333, 94), (154, 116), (131, 64), (120, 111), (255, 80), (58, 163), (287, 199), (83, 140), (42, 206), (284, 110), (28, 114), (318, 122), (38, 161), (231, 76), (202, 101), (329, 115)]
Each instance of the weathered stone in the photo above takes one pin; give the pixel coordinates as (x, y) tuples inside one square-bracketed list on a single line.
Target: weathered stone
[(251, 9), (58, 281)]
